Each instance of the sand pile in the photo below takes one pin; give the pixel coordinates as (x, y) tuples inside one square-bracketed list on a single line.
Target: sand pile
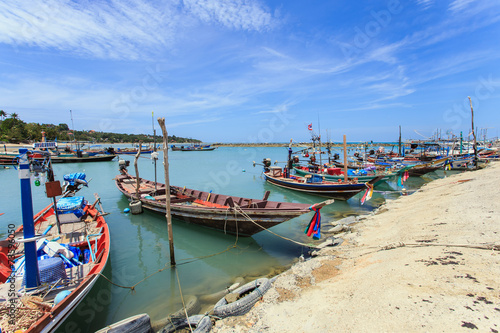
[(429, 262)]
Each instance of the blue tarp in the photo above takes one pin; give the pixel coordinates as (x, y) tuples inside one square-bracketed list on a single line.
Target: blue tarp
[(72, 177), (71, 205)]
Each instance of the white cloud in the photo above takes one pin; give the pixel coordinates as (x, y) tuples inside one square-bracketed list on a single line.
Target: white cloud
[(425, 3), (237, 14), (133, 29), (458, 5)]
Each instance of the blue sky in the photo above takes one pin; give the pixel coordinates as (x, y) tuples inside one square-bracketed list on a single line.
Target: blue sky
[(254, 70)]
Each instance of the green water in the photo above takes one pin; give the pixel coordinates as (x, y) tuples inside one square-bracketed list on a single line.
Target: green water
[(139, 243)]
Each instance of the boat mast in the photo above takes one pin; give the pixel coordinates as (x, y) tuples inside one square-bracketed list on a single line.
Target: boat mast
[(473, 133), (399, 142)]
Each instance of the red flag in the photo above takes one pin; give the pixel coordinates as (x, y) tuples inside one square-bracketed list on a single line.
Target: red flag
[(310, 127)]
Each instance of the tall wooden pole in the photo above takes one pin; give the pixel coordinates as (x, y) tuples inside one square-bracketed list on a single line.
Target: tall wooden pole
[(161, 121), (137, 179), (473, 134), (345, 159)]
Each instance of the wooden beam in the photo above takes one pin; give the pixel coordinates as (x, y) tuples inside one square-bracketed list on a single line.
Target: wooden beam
[(161, 121)]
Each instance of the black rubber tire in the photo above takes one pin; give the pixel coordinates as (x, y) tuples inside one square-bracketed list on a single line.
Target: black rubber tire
[(192, 306), (222, 309), (199, 323)]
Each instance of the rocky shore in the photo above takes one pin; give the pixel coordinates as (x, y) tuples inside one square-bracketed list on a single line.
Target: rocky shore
[(428, 262)]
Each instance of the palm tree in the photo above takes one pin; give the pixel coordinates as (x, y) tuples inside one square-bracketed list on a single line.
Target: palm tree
[(3, 114), (14, 115)]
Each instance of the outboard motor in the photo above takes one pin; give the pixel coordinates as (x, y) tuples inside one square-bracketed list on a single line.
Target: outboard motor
[(122, 166), (72, 183), (267, 163)]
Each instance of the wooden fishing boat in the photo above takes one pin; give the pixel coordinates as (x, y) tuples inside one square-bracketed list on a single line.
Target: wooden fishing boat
[(80, 159), (67, 272), (315, 184), (132, 151), (197, 148), (230, 214), (11, 159), (424, 168), (335, 174)]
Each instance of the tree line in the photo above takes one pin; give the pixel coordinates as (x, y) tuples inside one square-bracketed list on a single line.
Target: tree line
[(14, 130)]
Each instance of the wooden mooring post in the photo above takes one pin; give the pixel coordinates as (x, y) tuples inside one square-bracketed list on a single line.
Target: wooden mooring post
[(161, 121)]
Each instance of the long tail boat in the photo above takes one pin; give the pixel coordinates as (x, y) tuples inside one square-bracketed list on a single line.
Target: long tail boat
[(69, 264), (361, 177), (230, 214), (11, 159), (315, 184)]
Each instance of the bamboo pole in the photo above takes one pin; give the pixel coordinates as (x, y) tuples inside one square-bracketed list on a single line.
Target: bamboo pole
[(161, 121), (345, 159)]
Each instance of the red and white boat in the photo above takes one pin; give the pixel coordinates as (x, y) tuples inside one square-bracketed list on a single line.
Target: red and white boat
[(69, 263)]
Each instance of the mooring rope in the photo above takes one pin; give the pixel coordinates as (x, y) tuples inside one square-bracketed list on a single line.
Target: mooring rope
[(245, 215), (182, 299), (167, 265)]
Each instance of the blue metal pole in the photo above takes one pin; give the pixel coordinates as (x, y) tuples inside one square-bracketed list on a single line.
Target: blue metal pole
[(31, 260)]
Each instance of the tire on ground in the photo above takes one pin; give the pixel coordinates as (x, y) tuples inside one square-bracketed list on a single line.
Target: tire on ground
[(258, 288), (199, 324)]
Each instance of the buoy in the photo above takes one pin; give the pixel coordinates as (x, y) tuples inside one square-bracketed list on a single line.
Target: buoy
[(136, 207), (243, 170), (126, 210), (62, 295)]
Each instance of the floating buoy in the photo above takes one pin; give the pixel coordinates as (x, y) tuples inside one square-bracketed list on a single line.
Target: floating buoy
[(243, 170), (126, 210), (136, 207)]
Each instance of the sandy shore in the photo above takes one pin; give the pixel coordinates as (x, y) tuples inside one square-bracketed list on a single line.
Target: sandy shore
[(421, 263)]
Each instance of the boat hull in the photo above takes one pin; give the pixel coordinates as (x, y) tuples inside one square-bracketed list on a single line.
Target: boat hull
[(361, 179), (246, 218), (330, 190)]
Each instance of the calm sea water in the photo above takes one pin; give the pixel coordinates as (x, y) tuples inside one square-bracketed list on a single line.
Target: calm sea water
[(207, 260)]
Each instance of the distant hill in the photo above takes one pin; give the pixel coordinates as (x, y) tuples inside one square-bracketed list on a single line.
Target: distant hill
[(14, 130)]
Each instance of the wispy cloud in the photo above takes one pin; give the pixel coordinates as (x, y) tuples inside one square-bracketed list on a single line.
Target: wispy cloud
[(134, 29), (425, 3), (237, 14), (458, 5)]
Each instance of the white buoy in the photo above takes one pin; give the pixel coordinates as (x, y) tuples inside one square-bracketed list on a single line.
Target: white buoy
[(136, 207)]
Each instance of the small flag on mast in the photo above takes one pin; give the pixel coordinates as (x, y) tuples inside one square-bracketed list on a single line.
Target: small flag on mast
[(310, 127)]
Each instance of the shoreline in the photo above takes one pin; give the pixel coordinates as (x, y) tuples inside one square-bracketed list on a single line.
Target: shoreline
[(429, 261)]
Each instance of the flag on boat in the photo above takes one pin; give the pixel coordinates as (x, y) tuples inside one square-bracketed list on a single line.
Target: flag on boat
[(310, 127)]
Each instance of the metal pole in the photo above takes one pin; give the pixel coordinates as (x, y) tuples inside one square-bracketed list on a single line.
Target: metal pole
[(161, 121), (31, 260)]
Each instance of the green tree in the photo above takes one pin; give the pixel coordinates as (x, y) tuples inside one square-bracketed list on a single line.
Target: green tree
[(3, 114)]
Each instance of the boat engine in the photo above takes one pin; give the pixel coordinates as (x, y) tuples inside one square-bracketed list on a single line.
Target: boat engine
[(123, 165), (295, 159)]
